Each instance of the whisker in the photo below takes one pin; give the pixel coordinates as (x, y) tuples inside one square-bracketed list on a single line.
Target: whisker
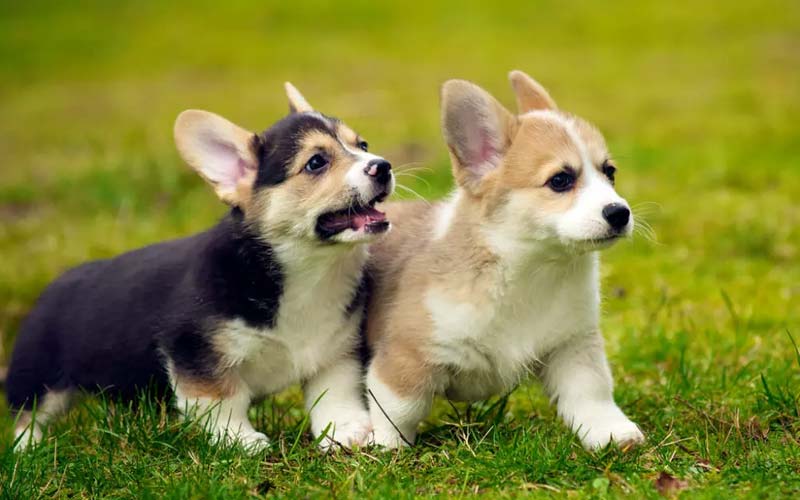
[(645, 210), (408, 174), (408, 189), (645, 225), (642, 222), (417, 169), (412, 166), (647, 207), (646, 233), (644, 228), (418, 178)]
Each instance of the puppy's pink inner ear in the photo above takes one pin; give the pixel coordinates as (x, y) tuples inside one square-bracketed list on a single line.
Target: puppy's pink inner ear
[(488, 152), (482, 151), (224, 166)]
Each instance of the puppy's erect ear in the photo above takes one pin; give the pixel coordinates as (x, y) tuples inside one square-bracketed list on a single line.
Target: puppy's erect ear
[(530, 94), (221, 152), (297, 103), (477, 130)]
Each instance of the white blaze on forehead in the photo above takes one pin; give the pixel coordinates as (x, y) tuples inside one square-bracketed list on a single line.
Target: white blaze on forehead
[(358, 153), (357, 177), (362, 157), (600, 190), (568, 124)]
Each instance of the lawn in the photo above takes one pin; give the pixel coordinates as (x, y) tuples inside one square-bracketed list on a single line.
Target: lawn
[(699, 103)]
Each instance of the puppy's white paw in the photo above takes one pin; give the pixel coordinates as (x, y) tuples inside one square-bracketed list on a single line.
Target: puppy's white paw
[(618, 429), (600, 423), (251, 441), (388, 438), (352, 429), (254, 442), (28, 436)]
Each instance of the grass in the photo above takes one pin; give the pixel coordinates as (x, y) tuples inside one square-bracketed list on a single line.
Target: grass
[(699, 104)]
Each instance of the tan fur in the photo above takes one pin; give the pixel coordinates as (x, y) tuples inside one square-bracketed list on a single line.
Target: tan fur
[(409, 262), (406, 264), (400, 334), (297, 103), (594, 140), (347, 135), (530, 94), (221, 387)]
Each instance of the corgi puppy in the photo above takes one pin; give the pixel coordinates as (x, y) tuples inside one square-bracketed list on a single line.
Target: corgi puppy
[(471, 295), (270, 296)]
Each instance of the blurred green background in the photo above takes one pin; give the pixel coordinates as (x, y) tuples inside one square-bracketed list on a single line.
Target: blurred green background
[(699, 102)]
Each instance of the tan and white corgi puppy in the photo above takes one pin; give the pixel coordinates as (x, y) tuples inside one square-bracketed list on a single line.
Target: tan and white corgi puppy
[(471, 295), (270, 296)]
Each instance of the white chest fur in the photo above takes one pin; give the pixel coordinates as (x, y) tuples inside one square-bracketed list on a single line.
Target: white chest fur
[(312, 328), (492, 340)]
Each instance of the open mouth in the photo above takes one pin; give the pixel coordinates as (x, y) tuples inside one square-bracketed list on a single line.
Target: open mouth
[(357, 217)]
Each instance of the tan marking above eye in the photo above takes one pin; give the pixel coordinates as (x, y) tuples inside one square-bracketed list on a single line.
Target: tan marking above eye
[(346, 134), (315, 143)]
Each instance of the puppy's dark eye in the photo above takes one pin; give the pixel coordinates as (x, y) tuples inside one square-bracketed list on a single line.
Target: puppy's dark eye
[(316, 163), (363, 146), (609, 170), (562, 181)]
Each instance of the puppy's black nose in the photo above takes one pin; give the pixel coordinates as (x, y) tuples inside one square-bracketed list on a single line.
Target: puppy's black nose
[(617, 215), (380, 169)]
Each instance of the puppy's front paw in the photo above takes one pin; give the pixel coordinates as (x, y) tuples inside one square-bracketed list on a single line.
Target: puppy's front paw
[(27, 437), (251, 441), (254, 442), (619, 430), (348, 431), (388, 438), (600, 423)]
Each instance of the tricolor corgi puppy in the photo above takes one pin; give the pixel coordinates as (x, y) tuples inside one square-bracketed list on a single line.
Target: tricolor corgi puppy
[(471, 295), (270, 296)]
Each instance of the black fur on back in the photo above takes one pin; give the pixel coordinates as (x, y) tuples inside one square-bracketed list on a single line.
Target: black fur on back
[(107, 324)]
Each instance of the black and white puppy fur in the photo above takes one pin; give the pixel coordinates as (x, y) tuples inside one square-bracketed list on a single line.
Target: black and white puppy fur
[(270, 296)]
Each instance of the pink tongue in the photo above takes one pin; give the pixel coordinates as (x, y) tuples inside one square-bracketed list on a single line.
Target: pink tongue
[(368, 216)]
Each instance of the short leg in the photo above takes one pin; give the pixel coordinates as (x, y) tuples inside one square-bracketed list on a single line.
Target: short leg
[(224, 414), (31, 423), (334, 399), (399, 397), (577, 376)]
